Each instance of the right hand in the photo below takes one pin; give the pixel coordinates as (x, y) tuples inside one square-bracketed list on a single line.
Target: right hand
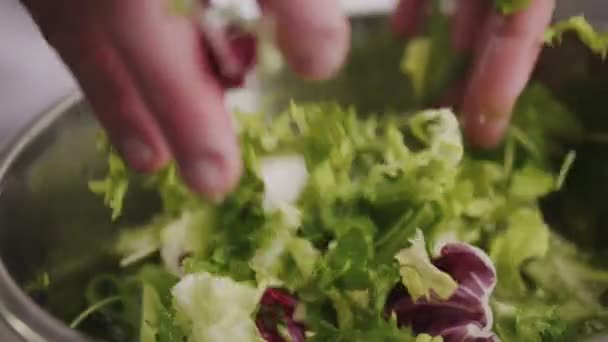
[(504, 50)]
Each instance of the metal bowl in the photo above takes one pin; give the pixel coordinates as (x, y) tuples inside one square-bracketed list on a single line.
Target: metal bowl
[(51, 222)]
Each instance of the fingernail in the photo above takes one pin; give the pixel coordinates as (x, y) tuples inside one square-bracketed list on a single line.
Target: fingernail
[(208, 176), (139, 155)]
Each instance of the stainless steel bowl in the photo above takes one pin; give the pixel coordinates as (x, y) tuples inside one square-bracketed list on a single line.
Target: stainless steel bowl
[(51, 222)]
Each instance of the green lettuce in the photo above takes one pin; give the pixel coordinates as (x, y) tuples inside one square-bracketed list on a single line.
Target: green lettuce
[(215, 309), (596, 41), (343, 238), (526, 237), (420, 276)]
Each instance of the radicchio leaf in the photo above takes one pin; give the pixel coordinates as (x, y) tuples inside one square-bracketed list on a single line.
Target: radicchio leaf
[(468, 333), (231, 50), (466, 315), (277, 306)]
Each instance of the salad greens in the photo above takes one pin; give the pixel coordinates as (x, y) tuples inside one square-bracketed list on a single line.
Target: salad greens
[(597, 42), (351, 227)]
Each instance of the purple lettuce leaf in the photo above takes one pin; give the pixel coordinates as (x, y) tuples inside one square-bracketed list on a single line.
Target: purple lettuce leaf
[(464, 316), (230, 49), (276, 307)]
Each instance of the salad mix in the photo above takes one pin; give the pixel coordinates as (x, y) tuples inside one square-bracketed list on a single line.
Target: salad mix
[(352, 227)]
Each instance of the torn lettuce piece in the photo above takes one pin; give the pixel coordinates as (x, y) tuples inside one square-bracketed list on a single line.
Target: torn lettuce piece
[(531, 183), (284, 178), (186, 236), (216, 309), (346, 263), (114, 186), (429, 61), (414, 63), (281, 257), (134, 245), (530, 320), (564, 170), (440, 131), (421, 278), (526, 237), (150, 305), (576, 286), (596, 41)]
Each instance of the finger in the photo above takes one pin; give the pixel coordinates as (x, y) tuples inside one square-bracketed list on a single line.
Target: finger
[(314, 35), (168, 59), (502, 69), (469, 17), (110, 91), (453, 94), (407, 17)]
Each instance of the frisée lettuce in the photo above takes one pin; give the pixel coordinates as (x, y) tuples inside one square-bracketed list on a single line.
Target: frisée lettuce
[(374, 242)]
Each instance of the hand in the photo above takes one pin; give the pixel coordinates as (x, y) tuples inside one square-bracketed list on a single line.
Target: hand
[(505, 50), (155, 85)]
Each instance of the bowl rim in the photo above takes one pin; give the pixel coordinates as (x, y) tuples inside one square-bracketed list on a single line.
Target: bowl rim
[(28, 320)]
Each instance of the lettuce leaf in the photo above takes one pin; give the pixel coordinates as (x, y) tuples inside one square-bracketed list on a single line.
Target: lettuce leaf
[(215, 309), (530, 320), (596, 41), (429, 61), (114, 186), (420, 277), (526, 237)]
